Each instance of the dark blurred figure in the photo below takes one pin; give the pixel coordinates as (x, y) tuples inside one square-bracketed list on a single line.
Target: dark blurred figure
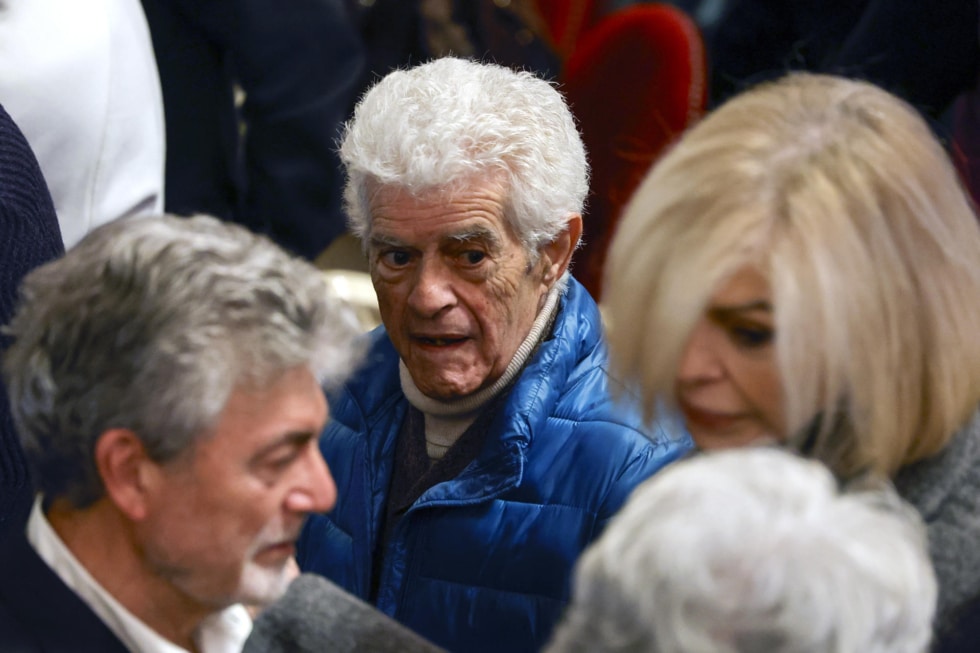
[(966, 132), (964, 634), (924, 52), (402, 33), (706, 13), (273, 167), (30, 236)]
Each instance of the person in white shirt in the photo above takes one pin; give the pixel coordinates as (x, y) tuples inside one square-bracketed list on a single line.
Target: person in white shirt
[(166, 380), (81, 81)]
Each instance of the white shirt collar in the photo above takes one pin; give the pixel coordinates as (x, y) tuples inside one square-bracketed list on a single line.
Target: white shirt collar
[(222, 632)]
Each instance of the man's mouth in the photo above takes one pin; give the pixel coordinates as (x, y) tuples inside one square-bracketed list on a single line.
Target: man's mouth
[(281, 548), (438, 342)]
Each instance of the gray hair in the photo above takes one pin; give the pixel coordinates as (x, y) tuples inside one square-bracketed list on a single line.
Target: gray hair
[(446, 122), (149, 324), (754, 549)]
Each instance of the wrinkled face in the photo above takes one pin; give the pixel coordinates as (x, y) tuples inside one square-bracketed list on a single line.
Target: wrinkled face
[(456, 290), (728, 386), (224, 517)]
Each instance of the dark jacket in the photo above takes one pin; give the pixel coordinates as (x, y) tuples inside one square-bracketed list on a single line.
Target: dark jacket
[(924, 52), (39, 613), (962, 635), (482, 562), (29, 236), (299, 65)]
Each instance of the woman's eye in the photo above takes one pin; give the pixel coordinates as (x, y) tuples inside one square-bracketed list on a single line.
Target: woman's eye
[(751, 337), (474, 256)]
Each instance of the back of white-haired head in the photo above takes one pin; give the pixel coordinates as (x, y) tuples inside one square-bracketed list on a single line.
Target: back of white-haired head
[(754, 550), (446, 123)]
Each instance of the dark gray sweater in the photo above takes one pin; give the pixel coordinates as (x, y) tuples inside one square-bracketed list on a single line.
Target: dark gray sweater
[(945, 489)]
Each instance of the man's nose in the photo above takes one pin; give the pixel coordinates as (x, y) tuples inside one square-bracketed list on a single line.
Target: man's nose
[(433, 288), (315, 490)]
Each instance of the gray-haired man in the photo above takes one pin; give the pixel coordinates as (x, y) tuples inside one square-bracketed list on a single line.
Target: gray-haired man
[(165, 378)]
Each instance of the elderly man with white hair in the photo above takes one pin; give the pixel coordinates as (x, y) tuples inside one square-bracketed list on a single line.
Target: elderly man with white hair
[(480, 450)]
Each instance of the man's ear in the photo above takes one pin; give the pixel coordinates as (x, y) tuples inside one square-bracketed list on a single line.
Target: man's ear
[(127, 472), (557, 254)]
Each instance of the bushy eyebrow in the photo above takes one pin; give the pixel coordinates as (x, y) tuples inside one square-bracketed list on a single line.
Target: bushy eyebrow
[(492, 238), (385, 241), (476, 234)]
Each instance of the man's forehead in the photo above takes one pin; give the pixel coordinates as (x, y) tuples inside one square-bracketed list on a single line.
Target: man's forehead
[(440, 216), (260, 413), (461, 232)]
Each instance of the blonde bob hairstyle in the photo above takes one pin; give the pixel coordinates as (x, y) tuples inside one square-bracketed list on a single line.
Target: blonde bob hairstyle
[(839, 193)]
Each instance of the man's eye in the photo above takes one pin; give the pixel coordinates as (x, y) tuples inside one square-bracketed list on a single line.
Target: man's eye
[(283, 458), (473, 256), (281, 462), (751, 337), (271, 468), (395, 258)]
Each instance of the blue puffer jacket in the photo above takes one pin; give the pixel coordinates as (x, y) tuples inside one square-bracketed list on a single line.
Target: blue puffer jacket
[(483, 562)]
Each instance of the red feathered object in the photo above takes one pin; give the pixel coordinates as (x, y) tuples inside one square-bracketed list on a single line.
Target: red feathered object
[(635, 82)]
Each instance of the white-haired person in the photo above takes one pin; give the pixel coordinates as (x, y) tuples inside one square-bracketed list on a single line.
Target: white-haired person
[(804, 266), (753, 550), (480, 450)]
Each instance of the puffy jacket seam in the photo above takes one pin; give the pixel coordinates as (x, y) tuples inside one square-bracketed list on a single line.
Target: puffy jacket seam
[(634, 461), (656, 442), (435, 579), (569, 506)]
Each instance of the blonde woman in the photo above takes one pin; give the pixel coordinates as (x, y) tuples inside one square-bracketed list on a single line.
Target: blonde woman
[(804, 266)]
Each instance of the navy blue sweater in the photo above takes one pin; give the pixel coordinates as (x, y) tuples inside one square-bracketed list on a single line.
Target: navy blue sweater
[(29, 236)]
